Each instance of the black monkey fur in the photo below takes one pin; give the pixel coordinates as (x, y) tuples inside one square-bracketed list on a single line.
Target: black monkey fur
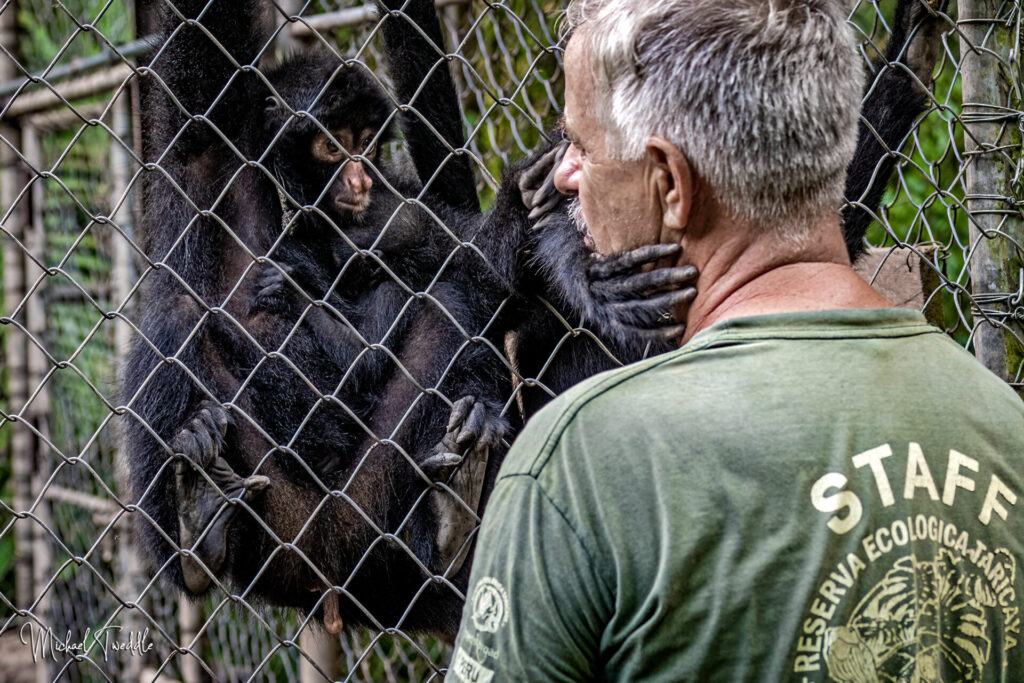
[(274, 348)]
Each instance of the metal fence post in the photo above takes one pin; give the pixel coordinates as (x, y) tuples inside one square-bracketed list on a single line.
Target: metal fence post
[(990, 52)]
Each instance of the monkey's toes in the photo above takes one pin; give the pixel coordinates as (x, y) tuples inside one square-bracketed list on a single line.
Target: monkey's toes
[(202, 439), (204, 517), (475, 425), (439, 466), (207, 506)]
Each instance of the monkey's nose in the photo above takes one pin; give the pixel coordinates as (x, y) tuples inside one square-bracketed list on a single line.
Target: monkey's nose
[(356, 180)]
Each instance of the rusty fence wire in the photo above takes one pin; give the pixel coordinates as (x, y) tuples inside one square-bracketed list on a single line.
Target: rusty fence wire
[(72, 213)]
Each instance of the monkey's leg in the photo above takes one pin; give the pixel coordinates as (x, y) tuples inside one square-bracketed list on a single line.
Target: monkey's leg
[(474, 428), (208, 494), (895, 100)]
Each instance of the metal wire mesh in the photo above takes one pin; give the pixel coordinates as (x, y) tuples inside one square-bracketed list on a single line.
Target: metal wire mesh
[(71, 140)]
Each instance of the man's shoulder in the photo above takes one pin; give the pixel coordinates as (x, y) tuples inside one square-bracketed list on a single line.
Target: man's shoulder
[(597, 410)]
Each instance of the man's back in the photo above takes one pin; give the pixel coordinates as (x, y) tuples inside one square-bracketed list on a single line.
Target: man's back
[(808, 496)]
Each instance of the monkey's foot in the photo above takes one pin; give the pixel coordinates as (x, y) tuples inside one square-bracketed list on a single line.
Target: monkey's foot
[(208, 492), (472, 427), (641, 304), (473, 430)]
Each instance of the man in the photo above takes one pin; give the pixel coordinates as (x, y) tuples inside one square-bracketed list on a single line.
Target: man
[(816, 486)]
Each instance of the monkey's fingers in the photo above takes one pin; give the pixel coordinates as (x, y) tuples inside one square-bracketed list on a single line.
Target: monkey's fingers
[(540, 174), (222, 419), (460, 409), (637, 286), (215, 421), (547, 196), (655, 312), (550, 219), (545, 204), (473, 427), (628, 261)]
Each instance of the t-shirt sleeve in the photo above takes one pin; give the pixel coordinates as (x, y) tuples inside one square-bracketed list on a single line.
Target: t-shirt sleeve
[(535, 609)]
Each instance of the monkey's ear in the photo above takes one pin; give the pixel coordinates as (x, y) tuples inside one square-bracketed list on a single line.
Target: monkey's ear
[(271, 103)]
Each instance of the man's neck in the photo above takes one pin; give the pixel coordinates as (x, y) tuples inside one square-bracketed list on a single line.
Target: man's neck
[(742, 276)]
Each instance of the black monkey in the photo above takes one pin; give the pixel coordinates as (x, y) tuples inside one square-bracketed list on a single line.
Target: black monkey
[(275, 322), (212, 212), (526, 262), (893, 102)]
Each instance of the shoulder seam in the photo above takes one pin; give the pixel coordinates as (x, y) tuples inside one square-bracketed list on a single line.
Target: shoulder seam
[(570, 411), (565, 518)]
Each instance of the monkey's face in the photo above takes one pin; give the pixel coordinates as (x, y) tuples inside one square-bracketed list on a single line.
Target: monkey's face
[(343, 157)]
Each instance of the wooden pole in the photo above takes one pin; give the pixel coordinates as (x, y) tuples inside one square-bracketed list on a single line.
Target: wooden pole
[(190, 618), (36, 411), (990, 64), (130, 582), (14, 218), (325, 652)]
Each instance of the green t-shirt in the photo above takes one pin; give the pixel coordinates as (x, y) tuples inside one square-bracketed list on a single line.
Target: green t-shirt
[(809, 496)]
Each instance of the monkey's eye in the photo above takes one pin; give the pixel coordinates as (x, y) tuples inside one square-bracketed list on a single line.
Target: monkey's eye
[(326, 150), (366, 144)]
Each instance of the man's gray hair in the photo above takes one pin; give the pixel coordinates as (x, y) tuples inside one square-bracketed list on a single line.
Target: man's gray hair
[(762, 96)]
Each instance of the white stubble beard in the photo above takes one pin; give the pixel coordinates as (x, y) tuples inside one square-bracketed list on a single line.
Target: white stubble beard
[(575, 212)]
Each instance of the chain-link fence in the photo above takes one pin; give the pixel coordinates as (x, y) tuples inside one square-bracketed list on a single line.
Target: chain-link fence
[(116, 339)]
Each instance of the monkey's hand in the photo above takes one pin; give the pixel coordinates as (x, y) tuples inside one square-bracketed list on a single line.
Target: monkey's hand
[(537, 187), (474, 428), (273, 291), (208, 493), (641, 305)]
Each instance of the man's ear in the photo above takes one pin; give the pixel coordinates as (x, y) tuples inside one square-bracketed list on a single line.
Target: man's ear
[(674, 186)]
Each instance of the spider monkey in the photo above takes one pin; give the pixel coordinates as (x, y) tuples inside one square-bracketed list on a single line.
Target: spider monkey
[(213, 214), (215, 311), (552, 262), (297, 306)]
